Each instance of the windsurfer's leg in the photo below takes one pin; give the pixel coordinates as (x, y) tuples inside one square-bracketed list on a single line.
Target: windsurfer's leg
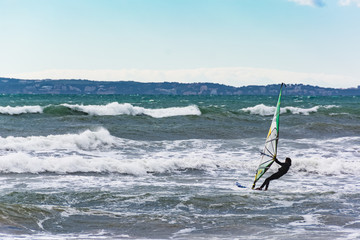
[(266, 183), (272, 177)]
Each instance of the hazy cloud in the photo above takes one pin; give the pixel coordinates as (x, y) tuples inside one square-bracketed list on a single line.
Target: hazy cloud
[(349, 2), (321, 3), (313, 3), (236, 76)]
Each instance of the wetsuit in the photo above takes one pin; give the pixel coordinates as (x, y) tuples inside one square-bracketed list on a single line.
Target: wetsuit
[(282, 170)]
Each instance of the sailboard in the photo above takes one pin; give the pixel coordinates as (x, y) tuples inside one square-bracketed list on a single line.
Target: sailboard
[(239, 185), (268, 155)]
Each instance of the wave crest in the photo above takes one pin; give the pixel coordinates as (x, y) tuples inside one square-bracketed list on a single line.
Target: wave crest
[(115, 108), (98, 151), (111, 109), (87, 140), (264, 110), (20, 110)]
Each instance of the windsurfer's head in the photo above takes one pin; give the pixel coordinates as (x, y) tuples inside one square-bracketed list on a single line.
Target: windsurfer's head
[(288, 160)]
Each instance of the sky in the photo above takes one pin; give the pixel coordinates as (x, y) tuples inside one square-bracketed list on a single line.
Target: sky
[(232, 42)]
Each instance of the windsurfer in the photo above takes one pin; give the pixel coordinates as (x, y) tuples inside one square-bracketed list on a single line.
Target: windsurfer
[(282, 171)]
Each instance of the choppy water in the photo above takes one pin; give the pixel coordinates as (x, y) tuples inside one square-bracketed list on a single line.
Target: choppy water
[(165, 167)]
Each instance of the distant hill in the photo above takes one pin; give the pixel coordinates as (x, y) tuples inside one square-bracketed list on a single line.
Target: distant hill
[(20, 86)]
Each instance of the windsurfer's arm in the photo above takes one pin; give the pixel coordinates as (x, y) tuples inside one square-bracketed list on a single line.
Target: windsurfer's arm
[(277, 161)]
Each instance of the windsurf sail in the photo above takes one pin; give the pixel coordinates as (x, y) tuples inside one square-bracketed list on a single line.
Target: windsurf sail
[(270, 149)]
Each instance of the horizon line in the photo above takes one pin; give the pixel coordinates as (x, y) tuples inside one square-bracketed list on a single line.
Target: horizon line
[(186, 83), (232, 76)]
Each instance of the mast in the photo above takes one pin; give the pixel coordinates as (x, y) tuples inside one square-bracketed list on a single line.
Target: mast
[(269, 153)]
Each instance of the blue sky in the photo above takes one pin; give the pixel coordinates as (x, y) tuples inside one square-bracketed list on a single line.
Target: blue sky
[(234, 42)]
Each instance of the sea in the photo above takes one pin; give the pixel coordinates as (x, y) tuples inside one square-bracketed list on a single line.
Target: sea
[(166, 167)]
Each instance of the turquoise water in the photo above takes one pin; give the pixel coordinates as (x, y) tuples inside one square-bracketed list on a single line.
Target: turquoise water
[(130, 167)]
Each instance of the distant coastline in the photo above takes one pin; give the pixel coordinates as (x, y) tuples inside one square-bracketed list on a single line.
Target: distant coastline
[(76, 86)]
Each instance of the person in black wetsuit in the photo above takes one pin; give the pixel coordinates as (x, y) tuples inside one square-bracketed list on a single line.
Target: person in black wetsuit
[(282, 170)]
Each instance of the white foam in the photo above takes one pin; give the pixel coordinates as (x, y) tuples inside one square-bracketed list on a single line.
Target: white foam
[(21, 162), (27, 163), (49, 236), (173, 111), (115, 108), (184, 231), (264, 110), (330, 156), (308, 220), (330, 106), (20, 110), (296, 110), (99, 151), (86, 140), (260, 109)]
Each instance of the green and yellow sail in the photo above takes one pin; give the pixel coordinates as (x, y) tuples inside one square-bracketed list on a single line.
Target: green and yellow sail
[(270, 149)]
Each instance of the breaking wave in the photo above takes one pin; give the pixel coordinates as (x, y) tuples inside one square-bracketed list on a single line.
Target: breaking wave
[(113, 109), (264, 110), (87, 140), (20, 110), (100, 152)]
